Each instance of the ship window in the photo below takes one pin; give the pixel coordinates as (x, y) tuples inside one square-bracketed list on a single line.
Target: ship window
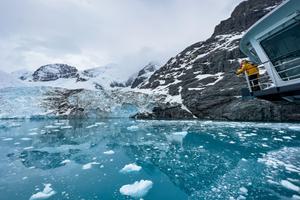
[(254, 56), (283, 50)]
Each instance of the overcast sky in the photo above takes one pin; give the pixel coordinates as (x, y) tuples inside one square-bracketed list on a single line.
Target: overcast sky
[(91, 33)]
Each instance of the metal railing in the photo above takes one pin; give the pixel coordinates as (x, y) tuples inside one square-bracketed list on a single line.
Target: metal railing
[(262, 82), (289, 70)]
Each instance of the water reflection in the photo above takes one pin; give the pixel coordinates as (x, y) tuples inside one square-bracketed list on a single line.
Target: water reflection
[(206, 160)]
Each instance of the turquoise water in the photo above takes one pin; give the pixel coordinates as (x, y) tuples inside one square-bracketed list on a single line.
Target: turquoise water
[(82, 159)]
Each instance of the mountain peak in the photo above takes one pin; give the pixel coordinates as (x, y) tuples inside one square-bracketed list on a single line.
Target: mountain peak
[(52, 72)]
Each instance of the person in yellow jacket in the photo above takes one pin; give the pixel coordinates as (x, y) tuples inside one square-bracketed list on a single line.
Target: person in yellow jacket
[(252, 73)]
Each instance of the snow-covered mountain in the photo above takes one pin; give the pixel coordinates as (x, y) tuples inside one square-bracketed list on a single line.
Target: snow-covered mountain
[(23, 74), (8, 80), (60, 90), (144, 74), (200, 81), (53, 72), (69, 77)]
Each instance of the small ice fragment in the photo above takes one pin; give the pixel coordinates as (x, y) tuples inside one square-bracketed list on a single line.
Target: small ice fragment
[(287, 137), (136, 190), (33, 133), (89, 165), (132, 128), (51, 127), (243, 190), (65, 161), (110, 152), (27, 148), (290, 185), (45, 194), (66, 127), (296, 197), (24, 178), (26, 139), (91, 126), (7, 139), (130, 168), (296, 128)]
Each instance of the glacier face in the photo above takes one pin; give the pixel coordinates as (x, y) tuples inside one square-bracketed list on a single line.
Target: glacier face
[(52, 102)]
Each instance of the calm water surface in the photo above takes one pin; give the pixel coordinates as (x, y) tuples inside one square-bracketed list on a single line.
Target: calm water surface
[(82, 159)]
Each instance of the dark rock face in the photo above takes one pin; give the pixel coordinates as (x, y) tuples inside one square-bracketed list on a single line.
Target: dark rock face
[(244, 15), (203, 75), (54, 71), (175, 112), (143, 75)]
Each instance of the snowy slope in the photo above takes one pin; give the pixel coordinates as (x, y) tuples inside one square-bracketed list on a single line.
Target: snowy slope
[(7, 80), (22, 74), (68, 77)]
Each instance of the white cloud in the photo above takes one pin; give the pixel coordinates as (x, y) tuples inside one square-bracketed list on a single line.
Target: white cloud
[(88, 33)]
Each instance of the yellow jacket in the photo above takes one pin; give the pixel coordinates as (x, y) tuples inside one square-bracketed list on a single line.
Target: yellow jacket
[(249, 68)]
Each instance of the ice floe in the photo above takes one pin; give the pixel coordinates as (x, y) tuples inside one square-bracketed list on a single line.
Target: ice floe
[(132, 128), (7, 139), (110, 152), (89, 165), (45, 194), (288, 185), (26, 139), (177, 136), (138, 189), (65, 161), (130, 168)]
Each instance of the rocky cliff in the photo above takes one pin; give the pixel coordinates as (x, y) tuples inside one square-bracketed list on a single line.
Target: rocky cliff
[(203, 75)]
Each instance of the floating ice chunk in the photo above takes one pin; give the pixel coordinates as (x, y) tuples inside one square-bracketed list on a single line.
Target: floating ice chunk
[(66, 127), (65, 161), (33, 133), (138, 189), (27, 148), (59, 123), (177, 136), (296, 128), (290, 185), (243, 190), (51, 127), (297, 197), (45, 194), (287, 138), (91, 126), (99, 123), (26, 139), (7, 139), (110, 152), (132, 128), (130, 168), (89, 165)]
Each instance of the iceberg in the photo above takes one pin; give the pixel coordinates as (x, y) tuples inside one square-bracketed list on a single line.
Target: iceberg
[(138, 189)]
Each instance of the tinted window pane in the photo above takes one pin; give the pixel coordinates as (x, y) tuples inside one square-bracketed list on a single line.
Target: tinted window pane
[(283, 50)]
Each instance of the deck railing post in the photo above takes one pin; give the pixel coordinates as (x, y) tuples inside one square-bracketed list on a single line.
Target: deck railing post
[(248, 82)]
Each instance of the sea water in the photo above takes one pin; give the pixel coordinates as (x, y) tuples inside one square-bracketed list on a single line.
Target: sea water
[(128, 159)]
